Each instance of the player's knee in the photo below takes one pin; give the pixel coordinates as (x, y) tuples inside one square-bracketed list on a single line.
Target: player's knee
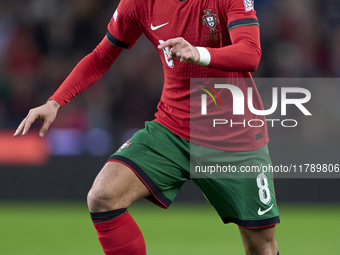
[(101, 200), (265, 247), (260, 241), (96, 200)]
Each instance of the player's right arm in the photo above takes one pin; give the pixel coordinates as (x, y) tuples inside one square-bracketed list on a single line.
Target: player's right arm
[(89, 70), (123, 32)]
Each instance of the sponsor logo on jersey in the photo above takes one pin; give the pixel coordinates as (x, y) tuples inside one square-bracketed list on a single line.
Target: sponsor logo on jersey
[(125, 145), (210, 20), (249, 5), (115, 15)]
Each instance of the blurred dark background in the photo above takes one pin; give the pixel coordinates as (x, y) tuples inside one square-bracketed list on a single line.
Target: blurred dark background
[(42, 40)]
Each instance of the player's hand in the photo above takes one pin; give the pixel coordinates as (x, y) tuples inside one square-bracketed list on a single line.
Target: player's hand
[(47, 113), (181, 49)]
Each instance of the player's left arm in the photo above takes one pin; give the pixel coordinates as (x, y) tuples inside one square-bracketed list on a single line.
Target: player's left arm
[(242, 56)]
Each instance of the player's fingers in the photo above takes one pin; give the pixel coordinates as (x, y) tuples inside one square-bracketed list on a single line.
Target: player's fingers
[(183, 58), (189, 54), (168, 43), (45, 127), (20, 128), (31, 118), (183, 55), (175, 51), (170, 56)]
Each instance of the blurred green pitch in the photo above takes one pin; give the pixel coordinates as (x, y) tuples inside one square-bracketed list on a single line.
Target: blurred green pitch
[(65, 229)]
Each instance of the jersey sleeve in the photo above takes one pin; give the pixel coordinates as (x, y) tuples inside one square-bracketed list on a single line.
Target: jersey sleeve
[(240, 13), (243, 55), (123, 30), (89, 70)]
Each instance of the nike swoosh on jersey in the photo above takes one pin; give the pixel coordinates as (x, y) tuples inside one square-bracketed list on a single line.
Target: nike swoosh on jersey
[(153, 28), (260, 212)]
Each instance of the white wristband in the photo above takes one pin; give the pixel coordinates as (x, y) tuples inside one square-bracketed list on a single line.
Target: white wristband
[(204, 56)]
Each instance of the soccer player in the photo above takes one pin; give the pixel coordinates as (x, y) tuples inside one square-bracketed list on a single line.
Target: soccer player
[(195, 39)]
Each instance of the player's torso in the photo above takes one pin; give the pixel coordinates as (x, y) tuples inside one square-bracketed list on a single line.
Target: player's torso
[(202, 23)]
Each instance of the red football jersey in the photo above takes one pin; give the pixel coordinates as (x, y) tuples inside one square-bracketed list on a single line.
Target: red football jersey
[(205, 23)]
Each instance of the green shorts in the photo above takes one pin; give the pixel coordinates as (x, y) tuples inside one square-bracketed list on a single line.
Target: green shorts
[(161, 159)]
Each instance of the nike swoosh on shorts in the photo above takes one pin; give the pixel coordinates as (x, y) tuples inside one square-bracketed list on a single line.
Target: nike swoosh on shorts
[(260, 212)]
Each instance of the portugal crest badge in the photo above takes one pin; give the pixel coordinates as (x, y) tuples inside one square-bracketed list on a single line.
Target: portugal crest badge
[(210, 20)]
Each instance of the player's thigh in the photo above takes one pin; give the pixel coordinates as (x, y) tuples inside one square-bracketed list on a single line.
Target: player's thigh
[(259, 241), (159, 158), (116, 186)]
